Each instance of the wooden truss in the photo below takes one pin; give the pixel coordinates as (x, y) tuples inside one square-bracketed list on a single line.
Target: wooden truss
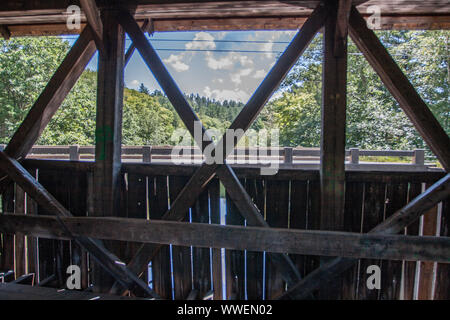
[(106, 33)]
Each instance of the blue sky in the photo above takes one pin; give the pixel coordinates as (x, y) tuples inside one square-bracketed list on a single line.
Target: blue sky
[(221, 73)]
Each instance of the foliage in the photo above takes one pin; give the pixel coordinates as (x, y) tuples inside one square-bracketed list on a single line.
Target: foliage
[(374, 119)]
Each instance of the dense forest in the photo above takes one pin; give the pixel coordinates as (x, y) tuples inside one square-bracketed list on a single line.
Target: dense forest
[(374, 119)]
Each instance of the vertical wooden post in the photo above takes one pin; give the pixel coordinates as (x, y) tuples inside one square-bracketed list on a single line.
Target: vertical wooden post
[(108, 127), (332, 154), (332, 151), (288, 155), (74, 153), (19, 238), (146, 154), (354, 154), (419, 157)]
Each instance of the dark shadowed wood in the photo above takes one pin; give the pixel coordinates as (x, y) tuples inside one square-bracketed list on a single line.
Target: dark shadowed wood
[(353, 214), (8, 239), (409, 274), (373, 214), (255, 260), (32, 252), (181, 256), (161, 264), (400, 87), (396, 198), (234, 259), (214, 202), (441, 291), (19, 239), (277, 216), (201, 258), (46, 247), (394, 224), (426, 274)]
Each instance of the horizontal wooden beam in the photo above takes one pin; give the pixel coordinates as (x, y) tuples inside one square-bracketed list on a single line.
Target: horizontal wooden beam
[(242, 172), (307, 242)]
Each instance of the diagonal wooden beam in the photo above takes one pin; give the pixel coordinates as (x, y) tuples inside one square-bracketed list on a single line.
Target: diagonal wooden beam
[(145, 27), (400, 87), (202, 176), (393, 225), (50, 99), (93, 17), (341, 31), (38, 193)]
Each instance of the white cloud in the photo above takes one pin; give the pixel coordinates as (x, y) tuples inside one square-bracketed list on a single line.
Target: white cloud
[(228, 61), (225, 94), (259, 74), (176, 62), (135, 83), (202, 41), (236, 77), (218, 64)]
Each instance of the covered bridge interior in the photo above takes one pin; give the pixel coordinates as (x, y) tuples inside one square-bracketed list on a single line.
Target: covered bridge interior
[(298, 234)]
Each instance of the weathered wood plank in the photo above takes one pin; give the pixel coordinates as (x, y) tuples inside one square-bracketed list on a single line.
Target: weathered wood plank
[(354, 204), (255, 260), (442, 289), (19, 239), (277, 216), (374, 209), (234, 259), (426, 274), (214, 202), (233, 237), (161, 264), (391, 271), (8, 239), (181, 255), (409, 274), (201, 257)]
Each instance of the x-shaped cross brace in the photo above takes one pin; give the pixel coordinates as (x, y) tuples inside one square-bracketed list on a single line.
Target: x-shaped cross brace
[(245, 118)]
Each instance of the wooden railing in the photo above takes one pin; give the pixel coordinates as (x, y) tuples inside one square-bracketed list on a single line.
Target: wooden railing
[(286, 156)]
